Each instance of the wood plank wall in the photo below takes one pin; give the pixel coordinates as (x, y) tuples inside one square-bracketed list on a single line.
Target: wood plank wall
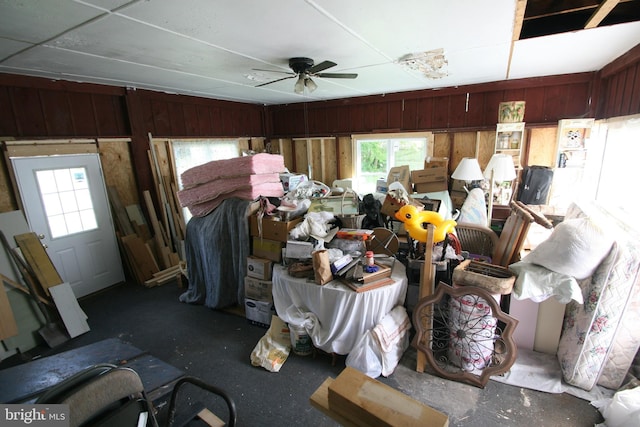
[(548, 100), (41, 108), (620, 86)]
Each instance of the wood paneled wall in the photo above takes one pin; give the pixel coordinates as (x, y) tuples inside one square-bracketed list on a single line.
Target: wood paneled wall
[(548, 99), (41, 108), (620, 86)]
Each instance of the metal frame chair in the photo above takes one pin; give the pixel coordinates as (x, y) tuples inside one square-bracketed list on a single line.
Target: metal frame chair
[(107, 395)]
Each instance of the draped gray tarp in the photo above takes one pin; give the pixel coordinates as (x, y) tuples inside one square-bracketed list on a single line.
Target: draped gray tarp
[(216, 251)]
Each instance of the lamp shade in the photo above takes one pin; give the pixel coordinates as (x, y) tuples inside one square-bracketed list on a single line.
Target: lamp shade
[(502, 167), (468, 170)]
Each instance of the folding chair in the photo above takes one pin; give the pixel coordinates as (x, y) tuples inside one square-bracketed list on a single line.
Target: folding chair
[(111, 396)]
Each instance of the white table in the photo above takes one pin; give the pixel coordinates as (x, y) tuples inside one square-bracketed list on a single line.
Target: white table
[(334, 315)]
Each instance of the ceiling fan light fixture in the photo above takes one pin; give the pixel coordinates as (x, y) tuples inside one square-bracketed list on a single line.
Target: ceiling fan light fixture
[(299, 86), (310, 84)]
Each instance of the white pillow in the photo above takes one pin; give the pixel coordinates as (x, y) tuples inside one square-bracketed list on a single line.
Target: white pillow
[(575, 248)]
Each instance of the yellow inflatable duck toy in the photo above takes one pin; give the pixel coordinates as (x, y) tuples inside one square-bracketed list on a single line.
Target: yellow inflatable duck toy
[(415, 222)]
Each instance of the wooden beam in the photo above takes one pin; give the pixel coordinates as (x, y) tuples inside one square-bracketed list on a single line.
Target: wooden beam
[(521, 6), (603, 10)]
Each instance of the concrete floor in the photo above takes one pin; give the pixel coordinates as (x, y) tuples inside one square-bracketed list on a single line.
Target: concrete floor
[(216, 346)]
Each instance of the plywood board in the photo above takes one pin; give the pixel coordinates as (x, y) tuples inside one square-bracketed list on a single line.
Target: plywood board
[(486, 143), (13, 222), (117, 167), (345, 157), (371, 403), (37, 258), (74, 318), (8, 326), (542, 146)]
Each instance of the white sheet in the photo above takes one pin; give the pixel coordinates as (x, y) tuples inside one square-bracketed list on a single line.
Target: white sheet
[(334, 315)]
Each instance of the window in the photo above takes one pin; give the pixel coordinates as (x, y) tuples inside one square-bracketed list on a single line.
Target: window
[(375, 155), (67, 201), (188, 154), (615, 177)]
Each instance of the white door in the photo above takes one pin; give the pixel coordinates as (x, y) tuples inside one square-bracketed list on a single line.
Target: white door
[(65, 202)]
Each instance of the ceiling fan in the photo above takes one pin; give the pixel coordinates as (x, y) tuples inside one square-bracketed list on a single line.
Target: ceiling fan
[(304, 69)]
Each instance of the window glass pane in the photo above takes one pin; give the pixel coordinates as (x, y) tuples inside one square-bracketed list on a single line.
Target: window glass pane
[(52, 204), (83, 198), (57, 226), (63, 180), (68, 200), (74, 224), (88, 219), (79, 178), (376, 157), (46, 182)]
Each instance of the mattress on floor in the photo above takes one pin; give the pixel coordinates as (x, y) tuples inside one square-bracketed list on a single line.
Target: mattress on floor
[(599, 339)]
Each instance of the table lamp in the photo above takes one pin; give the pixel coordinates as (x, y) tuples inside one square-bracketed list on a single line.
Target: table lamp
[(468, 170), (499, 169)]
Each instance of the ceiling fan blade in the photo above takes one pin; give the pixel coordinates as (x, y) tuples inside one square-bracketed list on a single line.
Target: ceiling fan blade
[(338, 75), (278, 80), (321, 67), (272, 71)]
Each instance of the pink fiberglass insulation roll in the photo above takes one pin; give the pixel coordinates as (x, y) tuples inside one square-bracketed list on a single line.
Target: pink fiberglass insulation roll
[(247, 165), (270, 189), (212, 189)]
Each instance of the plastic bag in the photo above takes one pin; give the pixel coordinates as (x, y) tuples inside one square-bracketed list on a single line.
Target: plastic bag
[(623, 410), (273, 348), (365, 356)]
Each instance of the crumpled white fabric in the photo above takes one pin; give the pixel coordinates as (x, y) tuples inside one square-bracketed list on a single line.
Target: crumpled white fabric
[(393, 338), (379, 350), (622, 410), (539, 283), (315, 224)]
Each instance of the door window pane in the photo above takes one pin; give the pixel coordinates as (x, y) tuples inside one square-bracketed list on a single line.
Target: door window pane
[(67, 201)]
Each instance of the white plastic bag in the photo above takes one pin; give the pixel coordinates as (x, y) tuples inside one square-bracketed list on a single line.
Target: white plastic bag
[(623, 410), (365, 356), (273, 348)]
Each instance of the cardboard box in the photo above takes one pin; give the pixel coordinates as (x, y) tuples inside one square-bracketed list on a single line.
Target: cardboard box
[(259, 312), (382, 186), (298, 250), (259, 268), (430, 180), (268, 249), (436, 162), (259, 290), (291, 180), (366, 401), (272, 229)]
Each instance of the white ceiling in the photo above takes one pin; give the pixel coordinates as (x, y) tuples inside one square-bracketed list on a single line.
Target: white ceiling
[(208, 48)]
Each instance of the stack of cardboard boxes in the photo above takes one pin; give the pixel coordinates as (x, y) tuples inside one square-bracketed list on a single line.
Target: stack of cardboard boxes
[(269, 237)]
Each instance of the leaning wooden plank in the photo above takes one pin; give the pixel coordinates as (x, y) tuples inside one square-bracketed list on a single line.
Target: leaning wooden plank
[(8, 326), (37, 258), (371, 403), (75, 320), (320, 400), (141, 257), (22, 288), (157, 230), (124, 225), (210, 418)]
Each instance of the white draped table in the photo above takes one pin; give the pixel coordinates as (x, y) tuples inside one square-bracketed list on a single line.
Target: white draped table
[(334, 315)]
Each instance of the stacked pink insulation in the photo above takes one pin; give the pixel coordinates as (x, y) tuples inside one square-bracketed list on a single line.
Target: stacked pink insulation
[(207, 185)]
